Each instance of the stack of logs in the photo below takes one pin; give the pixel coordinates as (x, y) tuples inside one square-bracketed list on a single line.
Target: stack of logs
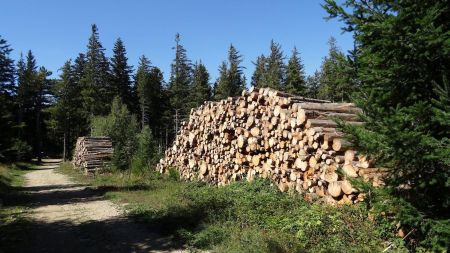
[(92, 153), (265, 133)]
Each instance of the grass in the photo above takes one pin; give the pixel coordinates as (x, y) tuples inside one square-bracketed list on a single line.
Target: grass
[(241, 217), (13, 225)]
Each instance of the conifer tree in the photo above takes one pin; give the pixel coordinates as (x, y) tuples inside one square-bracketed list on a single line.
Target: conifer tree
[(26, 92), (143, 89), (231, 81), (235, 73), (403, 64), (66, 115), (33, 94), (149, 85), (201, 89), (120, 74), (156, 81), (295, 75), (7, 92), (97, 91), (313, 84), (180, 79), (221, 86), (275, 73), (336, 75), (258, 78), (42, 92), (7, 70), (79, 66)]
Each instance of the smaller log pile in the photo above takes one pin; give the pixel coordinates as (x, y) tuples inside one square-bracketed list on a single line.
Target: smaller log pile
[(92, 153), (266, 133)]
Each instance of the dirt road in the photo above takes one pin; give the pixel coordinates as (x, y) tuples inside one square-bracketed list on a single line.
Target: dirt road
[(69, 217)]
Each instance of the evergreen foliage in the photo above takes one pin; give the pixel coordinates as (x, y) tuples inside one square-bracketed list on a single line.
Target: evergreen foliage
[(336, 74), (146, 154), (402, 64), (120, 74), (201, 90), (231, 81), (222, 86), (122, 127), (66, 116), (313, 84), (295, 75), (97, 91), (276, 70), (7, 69), (258, 77), (7, 93), (33, 94), (149, 85), (180, 79)]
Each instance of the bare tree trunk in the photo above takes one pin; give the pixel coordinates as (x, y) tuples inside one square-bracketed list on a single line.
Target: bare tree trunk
[(39, 135), (64, 145)]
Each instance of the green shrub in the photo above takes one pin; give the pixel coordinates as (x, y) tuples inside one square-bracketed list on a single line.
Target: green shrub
[(173, 174), (21, 150), (146, 155), (122, 127)]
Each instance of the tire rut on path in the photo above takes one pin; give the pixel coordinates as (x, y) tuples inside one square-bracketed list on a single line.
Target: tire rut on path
[(70, 217)]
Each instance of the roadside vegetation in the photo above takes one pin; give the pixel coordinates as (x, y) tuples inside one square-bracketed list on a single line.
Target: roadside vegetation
[(243, 217), (12, 223)]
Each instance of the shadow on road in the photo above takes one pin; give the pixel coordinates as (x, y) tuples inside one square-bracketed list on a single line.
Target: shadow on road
[(118, 234), (113, 235)]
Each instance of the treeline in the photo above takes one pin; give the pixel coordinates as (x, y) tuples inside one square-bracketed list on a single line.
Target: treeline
[(44, 115)]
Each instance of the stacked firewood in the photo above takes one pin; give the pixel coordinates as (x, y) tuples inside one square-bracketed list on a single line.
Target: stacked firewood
[(92, 153), (265, 133)]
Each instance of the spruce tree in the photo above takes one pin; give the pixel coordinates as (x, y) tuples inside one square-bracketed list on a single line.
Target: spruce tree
[(7, 70), (276, 70), (180, 80), (143, 88), (33, 97), (403, 64), (313, 84), (201, 89), (235, 73), (26, 93), (222, 86), (295, 75), (258, 77), (97, 91), (149, 85), (120, 74), (7, 92), (79, 66), (82, 122), (231, 81), (336, 75), (156, 80), (66, 115), (42, 92)]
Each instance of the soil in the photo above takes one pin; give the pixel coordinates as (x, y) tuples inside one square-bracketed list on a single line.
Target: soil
[(68, 217)]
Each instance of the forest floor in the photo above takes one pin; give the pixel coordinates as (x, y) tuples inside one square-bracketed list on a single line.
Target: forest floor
[(59, 215)]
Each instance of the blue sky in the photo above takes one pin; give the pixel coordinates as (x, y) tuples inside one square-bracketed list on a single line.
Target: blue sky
[(58, 30)]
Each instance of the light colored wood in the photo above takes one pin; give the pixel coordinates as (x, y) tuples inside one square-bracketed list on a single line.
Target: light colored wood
[(347, 187), (334, 189), (290, 140), (349, 170)]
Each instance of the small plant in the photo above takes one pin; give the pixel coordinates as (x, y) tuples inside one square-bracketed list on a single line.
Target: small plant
[(173, 174)]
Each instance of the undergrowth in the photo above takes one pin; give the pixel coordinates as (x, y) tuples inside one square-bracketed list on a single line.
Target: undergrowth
[(244, 217)]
